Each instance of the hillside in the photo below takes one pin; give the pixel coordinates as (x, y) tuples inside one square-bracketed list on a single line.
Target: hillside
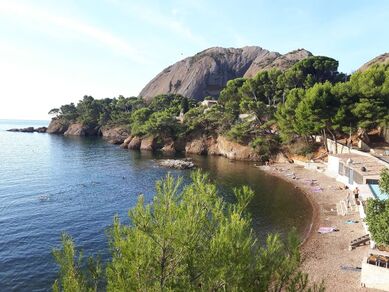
[(381, 59), (207, 72)]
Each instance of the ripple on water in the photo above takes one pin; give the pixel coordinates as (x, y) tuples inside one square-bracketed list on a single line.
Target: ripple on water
[(86, 182)]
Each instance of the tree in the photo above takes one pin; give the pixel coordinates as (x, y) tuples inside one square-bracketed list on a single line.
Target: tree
[(54, 111), (384, 181), (311, 70), (372, 87), (286, 114), (230, 97), (190, 239), (377, 217)]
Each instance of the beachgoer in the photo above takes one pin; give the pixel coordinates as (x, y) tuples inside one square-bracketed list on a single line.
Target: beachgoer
[(348, 199), (356, 193)]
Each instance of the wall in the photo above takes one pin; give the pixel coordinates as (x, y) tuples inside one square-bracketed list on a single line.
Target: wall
[(385, 133), (343, 149), (333, 166), (374, 277)]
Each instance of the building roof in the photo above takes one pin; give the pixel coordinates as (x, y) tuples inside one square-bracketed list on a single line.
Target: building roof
[(372, 165)]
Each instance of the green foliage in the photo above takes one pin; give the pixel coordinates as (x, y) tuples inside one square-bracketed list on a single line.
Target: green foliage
[(377, 217), (307, 72), (72, 277), (384, 181), (138, 121), (208, 120), (190, 239), (285, 114), (265, 146), (241, 132)]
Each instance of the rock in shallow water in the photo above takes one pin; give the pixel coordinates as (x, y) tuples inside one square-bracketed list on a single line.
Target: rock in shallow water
[(177, 163), (29, 130)]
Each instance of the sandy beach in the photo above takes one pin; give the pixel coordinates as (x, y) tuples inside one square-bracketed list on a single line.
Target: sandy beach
[(326, 256)]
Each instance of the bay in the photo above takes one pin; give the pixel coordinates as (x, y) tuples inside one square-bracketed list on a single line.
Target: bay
[(51, 184)]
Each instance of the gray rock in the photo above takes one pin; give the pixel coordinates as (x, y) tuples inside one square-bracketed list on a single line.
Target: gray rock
[(206, 73), (381, 59), (177, 163), (57, 126)]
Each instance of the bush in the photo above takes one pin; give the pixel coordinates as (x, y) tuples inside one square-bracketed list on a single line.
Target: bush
[(265, 146), (189, 239), (377, 217)]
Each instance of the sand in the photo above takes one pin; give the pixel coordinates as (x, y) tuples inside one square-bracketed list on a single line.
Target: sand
[(324, 255)]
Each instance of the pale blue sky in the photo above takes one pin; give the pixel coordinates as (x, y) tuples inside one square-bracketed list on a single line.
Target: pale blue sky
[(54, 52)]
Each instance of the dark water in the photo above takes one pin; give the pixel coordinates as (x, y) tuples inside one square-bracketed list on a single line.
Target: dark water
[(50, 184)]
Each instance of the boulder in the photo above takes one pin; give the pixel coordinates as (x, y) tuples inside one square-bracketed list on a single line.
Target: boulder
[(126, 142), (77, 129), (148, 143), (41, 130), (135, 143), (114, 135), (235, 151), (196, 146), (29, 130), (57, 126), (168, 146), (176, 163)]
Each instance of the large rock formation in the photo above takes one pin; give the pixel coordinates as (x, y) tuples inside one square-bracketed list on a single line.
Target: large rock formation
[(115, 135), (206, 73), (381, 59), (57, 126), (276, 60), (78, 129)]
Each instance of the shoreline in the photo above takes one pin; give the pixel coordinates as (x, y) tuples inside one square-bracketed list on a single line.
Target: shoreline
[(325, 257)]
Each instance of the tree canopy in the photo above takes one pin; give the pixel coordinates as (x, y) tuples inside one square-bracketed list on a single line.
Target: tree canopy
[(187, 239)]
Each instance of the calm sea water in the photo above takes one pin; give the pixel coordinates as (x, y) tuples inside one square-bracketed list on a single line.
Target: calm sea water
[(85, 181)]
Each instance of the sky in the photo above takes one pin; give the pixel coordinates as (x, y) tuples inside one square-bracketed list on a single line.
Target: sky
[(55, 52)]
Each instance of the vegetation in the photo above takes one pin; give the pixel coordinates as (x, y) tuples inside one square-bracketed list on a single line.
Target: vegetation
[(311, 98), (187, 239), (377, 217), (384, 181)]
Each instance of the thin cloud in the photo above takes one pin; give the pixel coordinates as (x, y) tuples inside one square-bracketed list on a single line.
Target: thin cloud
[(98, 35), (169, 22)]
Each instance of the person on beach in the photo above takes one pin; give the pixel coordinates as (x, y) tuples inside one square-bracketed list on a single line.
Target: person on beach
[(356, 195), (348, 199)]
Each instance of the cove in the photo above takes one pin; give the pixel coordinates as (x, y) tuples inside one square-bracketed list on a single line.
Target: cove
[(51, 184)]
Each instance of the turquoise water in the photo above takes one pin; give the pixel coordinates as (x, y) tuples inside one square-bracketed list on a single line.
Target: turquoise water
[(377, 192), (50, 184)]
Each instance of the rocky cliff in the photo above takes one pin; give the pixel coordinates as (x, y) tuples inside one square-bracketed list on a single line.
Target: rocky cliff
[(381, 59), (201, 145), (206, 73)]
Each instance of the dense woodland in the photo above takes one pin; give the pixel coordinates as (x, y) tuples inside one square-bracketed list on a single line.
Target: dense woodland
[(275, 107)]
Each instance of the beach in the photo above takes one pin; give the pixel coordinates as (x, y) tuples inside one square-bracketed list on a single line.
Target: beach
[(326, 257)]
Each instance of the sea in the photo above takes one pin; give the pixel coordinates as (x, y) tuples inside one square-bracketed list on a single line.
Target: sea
[(50, 184)]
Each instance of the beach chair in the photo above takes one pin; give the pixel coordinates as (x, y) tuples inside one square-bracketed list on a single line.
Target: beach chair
[(359, 241)]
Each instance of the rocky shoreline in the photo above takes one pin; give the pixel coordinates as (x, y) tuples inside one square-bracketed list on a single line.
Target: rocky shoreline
[(29, 130), (196, 144), (199, 143)]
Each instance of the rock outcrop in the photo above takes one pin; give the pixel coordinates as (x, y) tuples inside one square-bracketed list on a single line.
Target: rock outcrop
[(126, 142), (381, 59), (234, 151), (177, 163), (206, 73), (276, 60), (135, 143), (57, 126), (29, 130), (114, 135), (148, 143), (78, 129)]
